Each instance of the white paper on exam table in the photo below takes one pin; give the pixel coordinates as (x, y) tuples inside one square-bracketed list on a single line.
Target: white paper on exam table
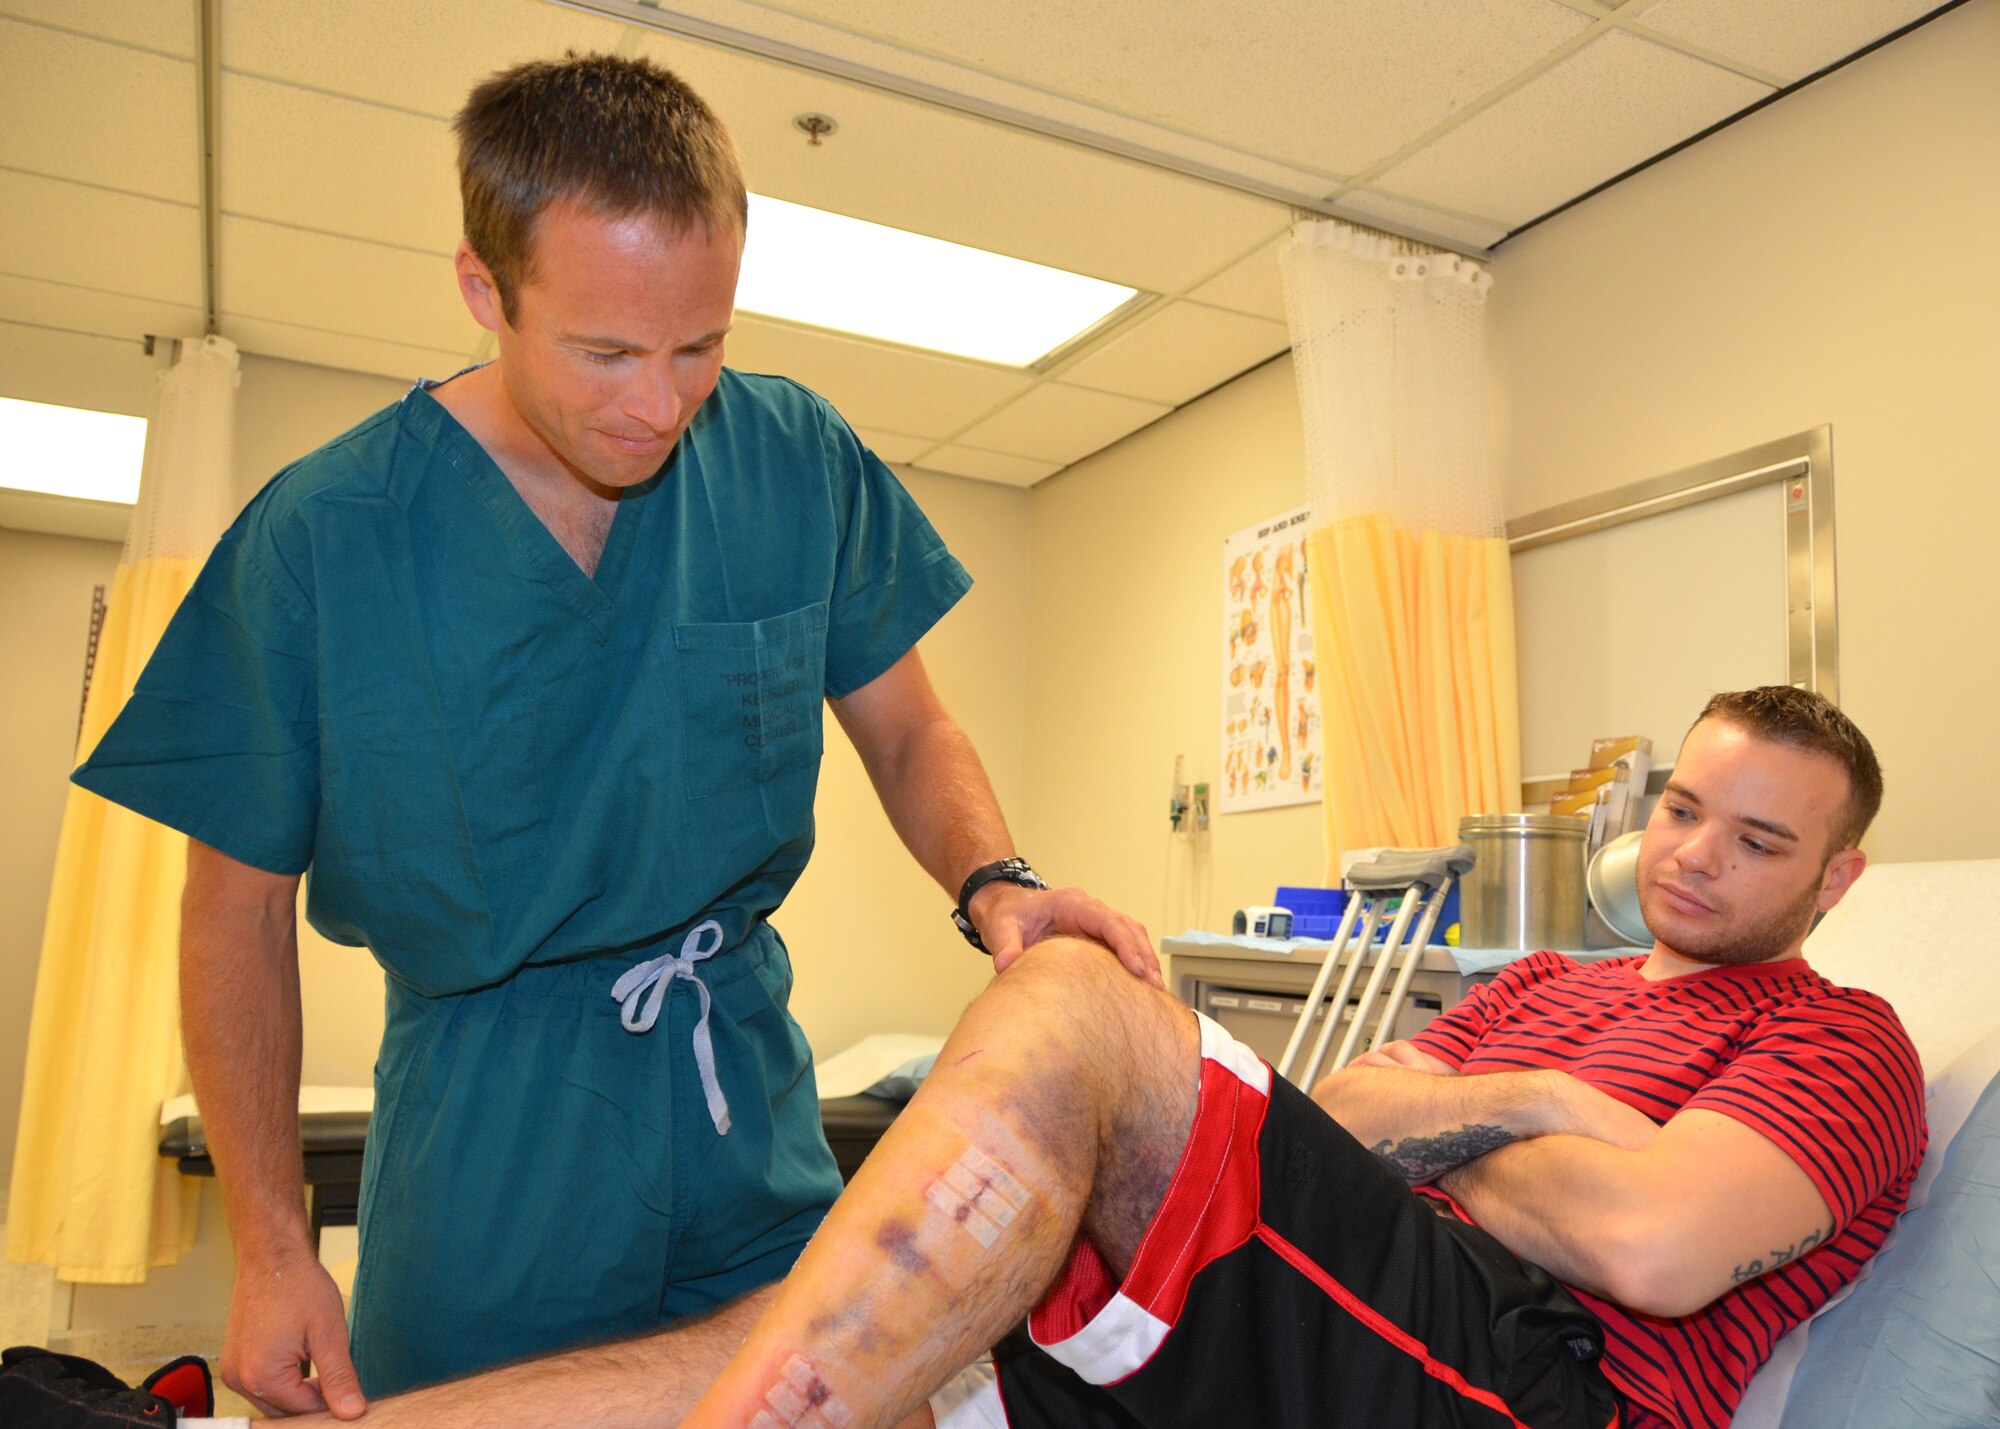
[(853, 1071), (313, 1101)]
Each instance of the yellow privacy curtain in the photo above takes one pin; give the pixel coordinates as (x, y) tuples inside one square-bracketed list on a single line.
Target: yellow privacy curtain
[(90, 1194), (1408, 576), (1417, 696)]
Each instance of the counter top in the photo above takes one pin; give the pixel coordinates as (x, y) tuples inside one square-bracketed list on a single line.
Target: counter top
[(1311, 952)]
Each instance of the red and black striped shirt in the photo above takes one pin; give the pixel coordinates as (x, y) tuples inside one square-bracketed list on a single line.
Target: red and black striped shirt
[(1825, 1072)]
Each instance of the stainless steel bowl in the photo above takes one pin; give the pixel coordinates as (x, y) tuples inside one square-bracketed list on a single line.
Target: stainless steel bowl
[(1612, 880)]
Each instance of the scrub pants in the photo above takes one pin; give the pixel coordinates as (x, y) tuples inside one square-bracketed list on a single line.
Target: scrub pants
[(537, 1176)]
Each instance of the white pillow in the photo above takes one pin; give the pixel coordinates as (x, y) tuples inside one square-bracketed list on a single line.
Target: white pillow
[(1948, 1101)]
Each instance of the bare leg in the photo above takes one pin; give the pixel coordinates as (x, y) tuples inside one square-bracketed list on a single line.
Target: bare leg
[(629, 1384), (1060, 1105)]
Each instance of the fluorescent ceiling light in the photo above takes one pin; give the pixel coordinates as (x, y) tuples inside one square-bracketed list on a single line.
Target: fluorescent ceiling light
[(822, 269), (65, 451)]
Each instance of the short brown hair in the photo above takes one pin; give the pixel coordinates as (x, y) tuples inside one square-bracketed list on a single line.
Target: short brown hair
[(621, 136), (1811, 722)]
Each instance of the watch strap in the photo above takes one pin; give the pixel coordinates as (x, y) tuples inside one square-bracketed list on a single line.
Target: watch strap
[(1005, 870)]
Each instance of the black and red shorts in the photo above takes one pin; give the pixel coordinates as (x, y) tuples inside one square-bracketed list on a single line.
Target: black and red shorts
[(1292, 1279)]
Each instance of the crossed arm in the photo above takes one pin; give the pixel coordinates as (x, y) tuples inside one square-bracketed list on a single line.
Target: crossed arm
[(1661, 1219)]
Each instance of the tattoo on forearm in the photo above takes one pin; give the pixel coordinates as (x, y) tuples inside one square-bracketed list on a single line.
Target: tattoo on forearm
[(1777, 1258), (1422, 1159)]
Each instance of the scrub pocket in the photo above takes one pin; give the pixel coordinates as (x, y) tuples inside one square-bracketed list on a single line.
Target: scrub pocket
[(750, 698)]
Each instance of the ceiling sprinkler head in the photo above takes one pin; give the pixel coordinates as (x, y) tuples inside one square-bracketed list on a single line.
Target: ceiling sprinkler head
[(815, 127)]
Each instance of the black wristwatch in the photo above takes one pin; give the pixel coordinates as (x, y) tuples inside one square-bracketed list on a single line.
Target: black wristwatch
[(1007, 870)]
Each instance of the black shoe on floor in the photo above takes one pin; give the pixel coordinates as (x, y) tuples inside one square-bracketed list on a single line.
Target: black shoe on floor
[(40, 1389)]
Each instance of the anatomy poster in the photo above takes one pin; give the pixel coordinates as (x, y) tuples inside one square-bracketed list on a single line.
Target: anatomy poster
[(1270, 715)]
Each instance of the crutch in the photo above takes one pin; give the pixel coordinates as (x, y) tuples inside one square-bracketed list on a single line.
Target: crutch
[(1414, 873)]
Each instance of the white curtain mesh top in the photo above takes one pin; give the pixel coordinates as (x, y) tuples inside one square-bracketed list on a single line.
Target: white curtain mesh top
[(1389, 342), (185, 486)]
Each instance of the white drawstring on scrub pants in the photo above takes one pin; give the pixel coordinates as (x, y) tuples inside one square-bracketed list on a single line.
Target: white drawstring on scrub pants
[(657, 974)]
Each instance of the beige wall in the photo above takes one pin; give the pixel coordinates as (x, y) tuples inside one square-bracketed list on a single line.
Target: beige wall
[(1125, 626), (1828, 259), (872, 944)]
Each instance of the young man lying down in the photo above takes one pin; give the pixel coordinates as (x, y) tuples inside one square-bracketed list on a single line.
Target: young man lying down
[(1588, 1195)]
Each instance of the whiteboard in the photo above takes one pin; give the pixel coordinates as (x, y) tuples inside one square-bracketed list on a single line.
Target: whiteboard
[(1630, 629)]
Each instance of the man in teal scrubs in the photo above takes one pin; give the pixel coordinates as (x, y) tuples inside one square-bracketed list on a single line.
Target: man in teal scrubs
[(527, 670)]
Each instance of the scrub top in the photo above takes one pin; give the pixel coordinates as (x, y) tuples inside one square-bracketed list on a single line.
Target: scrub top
[(390, 672)]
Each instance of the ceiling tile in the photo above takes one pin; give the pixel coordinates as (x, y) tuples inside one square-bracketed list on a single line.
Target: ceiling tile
[(1789, 41), (1409, 217), (167, 28), (91, 238), (340, 203), (1179, 352), (105, 114), (1061, 424), (56, 305), (1253, 286), (989, 466), (1332, 88), (333, 349), (872, 385), (390, 294), (379, 174), (894, 447), (927, 170), (1616, 102), (424, 57)]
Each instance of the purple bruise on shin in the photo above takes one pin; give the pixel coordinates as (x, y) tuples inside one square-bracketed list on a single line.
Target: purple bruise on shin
[(899, 1242)]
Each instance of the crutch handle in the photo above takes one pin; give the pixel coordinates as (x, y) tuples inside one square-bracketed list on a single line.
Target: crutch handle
[(1395, 869)]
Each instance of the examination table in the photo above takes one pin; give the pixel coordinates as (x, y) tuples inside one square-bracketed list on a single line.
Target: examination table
[(333, 1142)]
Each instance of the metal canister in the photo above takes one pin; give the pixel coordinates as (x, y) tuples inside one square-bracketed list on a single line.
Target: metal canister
[(1525, 890)]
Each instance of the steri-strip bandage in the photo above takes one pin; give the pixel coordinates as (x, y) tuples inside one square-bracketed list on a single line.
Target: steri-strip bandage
[(980, 1194)]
